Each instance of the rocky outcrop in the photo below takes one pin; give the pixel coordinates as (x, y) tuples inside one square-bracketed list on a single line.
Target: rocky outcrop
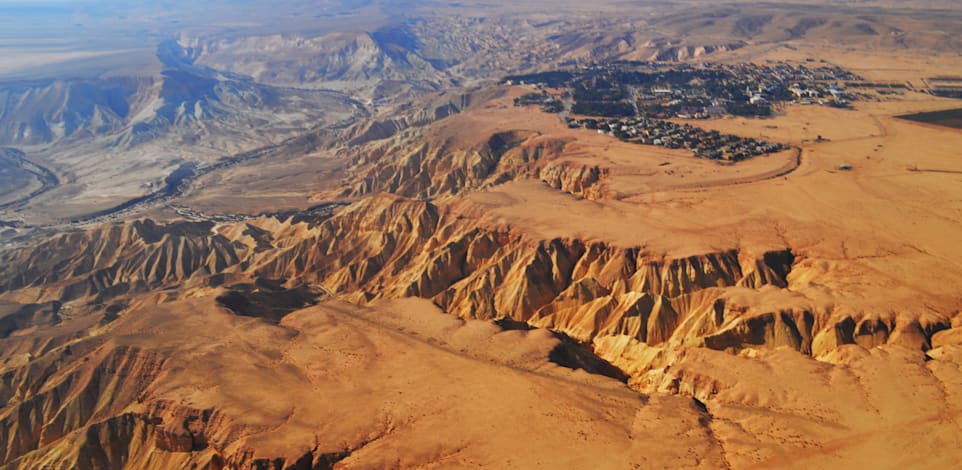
[(77, 420), (401, 248), (116, 259), (580, 180), (433, 108), (686, 52), (45, 402), (434, 169), (870, 330)]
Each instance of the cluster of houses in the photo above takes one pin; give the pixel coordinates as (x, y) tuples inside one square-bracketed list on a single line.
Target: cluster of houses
[(745, 89), (819, 81), (192, 214), (703, 143), (692, 91), (634, 100)]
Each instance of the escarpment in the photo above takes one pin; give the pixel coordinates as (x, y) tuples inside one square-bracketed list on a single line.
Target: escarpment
[(403, 248), (389, 247), (393, 247), (90, 399)]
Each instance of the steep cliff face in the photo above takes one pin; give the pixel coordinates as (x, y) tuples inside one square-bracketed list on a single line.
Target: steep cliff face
[(580, 180), (129, 440), (401, 248), (388, 246), (393, 247)]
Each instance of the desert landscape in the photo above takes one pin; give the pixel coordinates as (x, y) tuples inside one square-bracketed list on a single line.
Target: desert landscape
[(365, 234)]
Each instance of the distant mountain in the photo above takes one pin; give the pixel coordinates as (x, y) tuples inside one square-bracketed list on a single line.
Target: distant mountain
[(292, 60), (142, 108), (43, 112)]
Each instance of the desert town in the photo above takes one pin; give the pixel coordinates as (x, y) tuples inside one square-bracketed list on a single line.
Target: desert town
[(712, 144), (639, 98), (663, 90)]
